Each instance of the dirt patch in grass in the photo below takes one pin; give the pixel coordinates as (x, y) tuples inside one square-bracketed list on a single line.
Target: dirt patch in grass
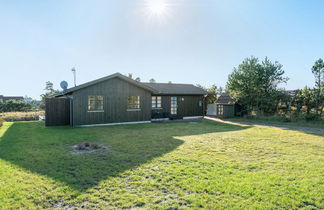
[(88, 147)]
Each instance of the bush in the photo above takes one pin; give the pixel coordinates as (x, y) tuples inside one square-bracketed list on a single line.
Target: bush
[(15, 106), (1, 121), (312, 117), (293, 116), (21, 116)]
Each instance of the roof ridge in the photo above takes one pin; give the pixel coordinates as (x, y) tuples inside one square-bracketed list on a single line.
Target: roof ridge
[(102, 79), (166, 83)]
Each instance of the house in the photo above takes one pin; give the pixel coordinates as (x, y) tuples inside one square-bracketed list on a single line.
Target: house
[(224, 107), (119, 99), (7, 98), (292, 92)]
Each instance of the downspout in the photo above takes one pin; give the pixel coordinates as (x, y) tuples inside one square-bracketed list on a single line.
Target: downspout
[(204, 106), (71, 109)]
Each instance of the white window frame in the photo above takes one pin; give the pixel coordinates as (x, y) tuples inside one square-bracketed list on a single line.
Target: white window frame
[(156, 102), (220, 109), (174, 105)]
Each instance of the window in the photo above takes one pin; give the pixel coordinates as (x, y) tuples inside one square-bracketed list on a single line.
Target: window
[(220, 109), (200, 103), (133, 102), (95, 103), (156, 101), (174, 105)]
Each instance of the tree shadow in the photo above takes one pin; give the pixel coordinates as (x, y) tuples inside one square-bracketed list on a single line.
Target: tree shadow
[(47, 150), (304, 129)]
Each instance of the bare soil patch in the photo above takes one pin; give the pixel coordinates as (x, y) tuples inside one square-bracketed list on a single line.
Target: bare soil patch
[(88, 147)]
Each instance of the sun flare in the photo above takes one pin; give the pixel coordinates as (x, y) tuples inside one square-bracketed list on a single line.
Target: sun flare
[(157, 8)]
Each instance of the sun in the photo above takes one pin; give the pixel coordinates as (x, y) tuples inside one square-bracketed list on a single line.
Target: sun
[(157, 8)]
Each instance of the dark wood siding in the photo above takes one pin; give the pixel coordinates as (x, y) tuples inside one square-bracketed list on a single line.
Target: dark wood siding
[(186, 108), (115, 93), (229, 110), (57, 111)]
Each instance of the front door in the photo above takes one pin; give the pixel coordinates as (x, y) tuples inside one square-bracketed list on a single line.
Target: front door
[(174, 106)]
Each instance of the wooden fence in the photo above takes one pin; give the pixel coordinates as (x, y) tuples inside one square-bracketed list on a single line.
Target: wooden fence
[(57, 111)]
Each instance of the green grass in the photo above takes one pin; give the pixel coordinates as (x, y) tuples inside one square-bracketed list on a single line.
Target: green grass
[(162, 165), (278, 121)]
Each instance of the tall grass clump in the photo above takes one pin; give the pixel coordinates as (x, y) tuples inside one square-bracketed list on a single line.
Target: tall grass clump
[(21, 116), (1, 121)]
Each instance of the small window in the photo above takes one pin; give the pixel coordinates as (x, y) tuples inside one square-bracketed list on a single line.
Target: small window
[(133, 102), (159, 102), (156, 102), (220, 110), (95, 103), (174, 105), (153, 101), (200, 103)]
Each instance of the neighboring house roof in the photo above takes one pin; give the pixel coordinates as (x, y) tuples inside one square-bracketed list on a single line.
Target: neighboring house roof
[(7, 98), (176, 89), (225, 98), (116, 75), (155, 88), (291, 92)]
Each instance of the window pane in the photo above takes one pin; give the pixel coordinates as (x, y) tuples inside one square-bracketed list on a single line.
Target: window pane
[(133, 102), (174, 105), (95, 103), (159, 102)]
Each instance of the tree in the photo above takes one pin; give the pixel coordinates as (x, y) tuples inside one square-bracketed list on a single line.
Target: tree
[(212, 93), (318, 71), (138, 79), (255, 85), (152, 80), (305, 98), (220, 90), (15, 106), (49, 88)]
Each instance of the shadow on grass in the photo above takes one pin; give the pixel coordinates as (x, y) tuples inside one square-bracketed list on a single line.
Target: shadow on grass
[(47, 151)]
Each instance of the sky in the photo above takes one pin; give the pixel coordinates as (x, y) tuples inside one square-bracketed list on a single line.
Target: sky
[(183, 41)]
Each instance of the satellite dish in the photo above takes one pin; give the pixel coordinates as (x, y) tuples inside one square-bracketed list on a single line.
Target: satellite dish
[(64, 85)]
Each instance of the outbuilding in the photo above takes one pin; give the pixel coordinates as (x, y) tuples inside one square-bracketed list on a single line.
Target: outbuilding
[(224, 107)]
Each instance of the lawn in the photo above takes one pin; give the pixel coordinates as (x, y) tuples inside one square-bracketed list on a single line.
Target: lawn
[(277, 121), (161, 165)]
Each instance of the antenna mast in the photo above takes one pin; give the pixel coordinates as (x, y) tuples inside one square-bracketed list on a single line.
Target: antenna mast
[(74, 74)]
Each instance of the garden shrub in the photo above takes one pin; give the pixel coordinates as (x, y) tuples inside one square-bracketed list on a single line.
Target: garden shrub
[(1, 121), (312, 117)]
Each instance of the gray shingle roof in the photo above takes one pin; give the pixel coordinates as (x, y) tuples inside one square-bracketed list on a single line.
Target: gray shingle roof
[(116, 75), (176, 89), (155, 88), (225, 98)]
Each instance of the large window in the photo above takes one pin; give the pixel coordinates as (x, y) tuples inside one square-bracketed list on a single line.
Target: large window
[(174, 105), (95, 103), (133, 102), (156, 102)]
